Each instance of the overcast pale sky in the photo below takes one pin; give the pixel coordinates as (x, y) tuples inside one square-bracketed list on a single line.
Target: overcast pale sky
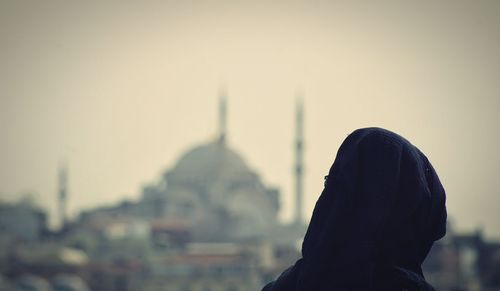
[(120, 89)]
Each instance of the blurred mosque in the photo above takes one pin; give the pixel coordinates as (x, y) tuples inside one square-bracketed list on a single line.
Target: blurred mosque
[(213, 194)]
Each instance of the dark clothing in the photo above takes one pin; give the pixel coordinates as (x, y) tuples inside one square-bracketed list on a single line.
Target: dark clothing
[(382, 208)]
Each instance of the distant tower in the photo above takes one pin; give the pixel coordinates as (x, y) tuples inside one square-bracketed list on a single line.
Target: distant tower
[(62, 193), (299, 161), (222, 116)]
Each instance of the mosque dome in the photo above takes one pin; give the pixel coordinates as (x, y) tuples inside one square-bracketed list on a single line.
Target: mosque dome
[(210, 162), (206, 158)]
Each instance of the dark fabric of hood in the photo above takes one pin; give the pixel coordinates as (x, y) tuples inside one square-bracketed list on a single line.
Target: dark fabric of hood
[(381, 209)]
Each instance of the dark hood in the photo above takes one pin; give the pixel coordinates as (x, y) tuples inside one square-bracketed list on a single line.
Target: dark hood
[(382, 208)]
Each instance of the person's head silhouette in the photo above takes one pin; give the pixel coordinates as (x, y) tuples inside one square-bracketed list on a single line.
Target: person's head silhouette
[(382, 208)]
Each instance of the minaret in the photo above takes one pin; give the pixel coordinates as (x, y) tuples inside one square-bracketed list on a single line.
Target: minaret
[(62, 194), (222, 116), (299, 161)]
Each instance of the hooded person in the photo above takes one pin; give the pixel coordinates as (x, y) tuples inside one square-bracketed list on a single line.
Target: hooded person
[(381, 210)]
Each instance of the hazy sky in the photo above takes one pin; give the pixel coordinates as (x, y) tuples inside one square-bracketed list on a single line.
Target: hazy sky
[(120, 89)]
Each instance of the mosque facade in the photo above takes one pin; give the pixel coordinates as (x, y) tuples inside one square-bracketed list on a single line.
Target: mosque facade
[(213, 194), (213, 191)]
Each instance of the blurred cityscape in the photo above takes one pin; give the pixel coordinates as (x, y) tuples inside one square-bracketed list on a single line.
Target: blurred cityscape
[(209, 224)]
